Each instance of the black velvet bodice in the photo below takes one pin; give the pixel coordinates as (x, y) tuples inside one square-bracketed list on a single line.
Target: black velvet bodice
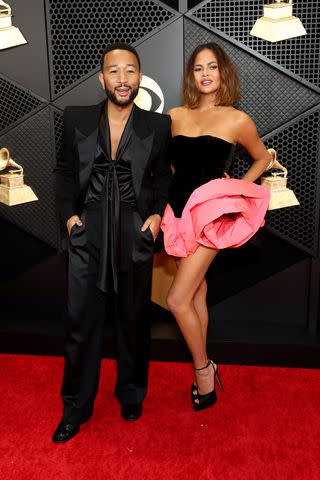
[(196, 161)]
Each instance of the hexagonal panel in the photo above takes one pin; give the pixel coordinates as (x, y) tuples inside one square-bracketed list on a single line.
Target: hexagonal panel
[(31, 145), (266, 93), (80, 30), (298, 149), (16, 103), (236, 18)]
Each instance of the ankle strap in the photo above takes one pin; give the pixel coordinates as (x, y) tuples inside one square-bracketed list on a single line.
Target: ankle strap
[(203, 368)]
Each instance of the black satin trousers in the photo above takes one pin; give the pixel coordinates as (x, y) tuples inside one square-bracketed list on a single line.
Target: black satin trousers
[(88, 310)]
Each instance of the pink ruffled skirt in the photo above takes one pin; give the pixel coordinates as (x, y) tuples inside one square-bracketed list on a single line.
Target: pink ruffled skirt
[(223, 213)]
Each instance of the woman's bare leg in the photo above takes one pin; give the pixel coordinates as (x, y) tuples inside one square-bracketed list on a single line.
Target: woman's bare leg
[(189, 277), (200, 306)]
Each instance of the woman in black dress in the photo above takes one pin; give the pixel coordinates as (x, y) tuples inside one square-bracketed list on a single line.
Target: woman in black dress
[(205, 131)]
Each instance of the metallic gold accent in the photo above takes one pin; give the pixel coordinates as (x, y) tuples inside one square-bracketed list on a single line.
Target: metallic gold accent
[(278, 23), (10, 36), (13, 191), (281, 196)]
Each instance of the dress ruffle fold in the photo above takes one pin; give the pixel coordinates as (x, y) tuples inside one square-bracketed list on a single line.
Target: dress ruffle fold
[(223, 213)]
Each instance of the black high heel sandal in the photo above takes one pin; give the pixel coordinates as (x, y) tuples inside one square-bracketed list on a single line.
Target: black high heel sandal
[(194, 393), (208, 399)]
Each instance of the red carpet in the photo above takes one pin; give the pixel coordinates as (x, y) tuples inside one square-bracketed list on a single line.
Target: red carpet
[(264, 426)]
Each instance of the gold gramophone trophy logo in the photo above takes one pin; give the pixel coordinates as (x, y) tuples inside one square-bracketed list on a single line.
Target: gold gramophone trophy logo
[(281, 195), (10, 36), (13, 191)]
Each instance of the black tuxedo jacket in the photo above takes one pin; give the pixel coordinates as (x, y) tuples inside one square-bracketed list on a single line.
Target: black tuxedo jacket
[(147, 151)]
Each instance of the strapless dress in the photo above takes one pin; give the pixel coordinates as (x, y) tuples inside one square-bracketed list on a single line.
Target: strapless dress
[(205, 208)]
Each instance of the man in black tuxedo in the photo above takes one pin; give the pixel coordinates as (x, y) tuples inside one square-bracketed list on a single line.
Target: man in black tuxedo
[(111, 190)]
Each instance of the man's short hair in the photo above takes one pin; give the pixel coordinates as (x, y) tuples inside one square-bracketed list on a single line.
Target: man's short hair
[(119, 46)]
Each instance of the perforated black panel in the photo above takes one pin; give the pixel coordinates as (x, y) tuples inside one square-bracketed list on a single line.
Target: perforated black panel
[(80, 30), (270, 97), (298, 149), (15, 102), (299, 55), (30, 144), (58, 124)]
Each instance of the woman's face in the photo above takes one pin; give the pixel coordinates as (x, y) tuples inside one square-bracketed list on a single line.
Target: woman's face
[(206, 72)]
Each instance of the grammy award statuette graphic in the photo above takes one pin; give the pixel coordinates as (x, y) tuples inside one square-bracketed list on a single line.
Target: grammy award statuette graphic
[(10, 36), (281, 195), (13, 191)]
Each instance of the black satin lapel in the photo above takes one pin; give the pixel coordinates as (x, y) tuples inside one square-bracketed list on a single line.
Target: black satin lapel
[(138, 153), (86, 148), (104, 135), (139, 148)]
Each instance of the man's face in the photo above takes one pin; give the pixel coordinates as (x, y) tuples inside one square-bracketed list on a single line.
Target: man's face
[(120, 77)]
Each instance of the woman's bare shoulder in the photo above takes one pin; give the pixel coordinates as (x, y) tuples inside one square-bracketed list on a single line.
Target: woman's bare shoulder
[(242, 118), (176, 112)]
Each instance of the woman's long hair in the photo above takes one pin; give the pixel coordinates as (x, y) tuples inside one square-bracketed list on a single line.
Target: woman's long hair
[(228, 92)]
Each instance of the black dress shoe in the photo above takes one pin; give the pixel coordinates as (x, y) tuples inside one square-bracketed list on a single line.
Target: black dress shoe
[(65, 431), (132, 411)]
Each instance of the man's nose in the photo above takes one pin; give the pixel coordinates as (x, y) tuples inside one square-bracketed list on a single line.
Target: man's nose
[(122, 77)]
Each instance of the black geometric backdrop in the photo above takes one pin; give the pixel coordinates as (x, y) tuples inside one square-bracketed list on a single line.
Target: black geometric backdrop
[(235, 18), (280, 89), (16, 103), (32, 141), (288, 112), (79, 30)]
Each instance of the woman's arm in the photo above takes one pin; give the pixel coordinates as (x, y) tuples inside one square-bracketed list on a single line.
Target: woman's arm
[(248, 137)]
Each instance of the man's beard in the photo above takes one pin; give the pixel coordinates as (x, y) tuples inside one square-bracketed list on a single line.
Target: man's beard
[(121, 103)]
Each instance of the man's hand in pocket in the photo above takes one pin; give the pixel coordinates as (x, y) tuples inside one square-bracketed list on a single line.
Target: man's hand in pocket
[(74, 220)]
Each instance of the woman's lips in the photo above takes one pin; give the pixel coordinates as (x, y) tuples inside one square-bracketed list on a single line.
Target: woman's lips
[(205, 83)]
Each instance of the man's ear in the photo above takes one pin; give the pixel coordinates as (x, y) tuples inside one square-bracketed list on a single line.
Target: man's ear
[(140, 77), (101, 80)]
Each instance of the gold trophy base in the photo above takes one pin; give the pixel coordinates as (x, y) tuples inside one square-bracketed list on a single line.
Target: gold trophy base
[(15, 195), (282, 198), (275, 30), (11, 37)]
